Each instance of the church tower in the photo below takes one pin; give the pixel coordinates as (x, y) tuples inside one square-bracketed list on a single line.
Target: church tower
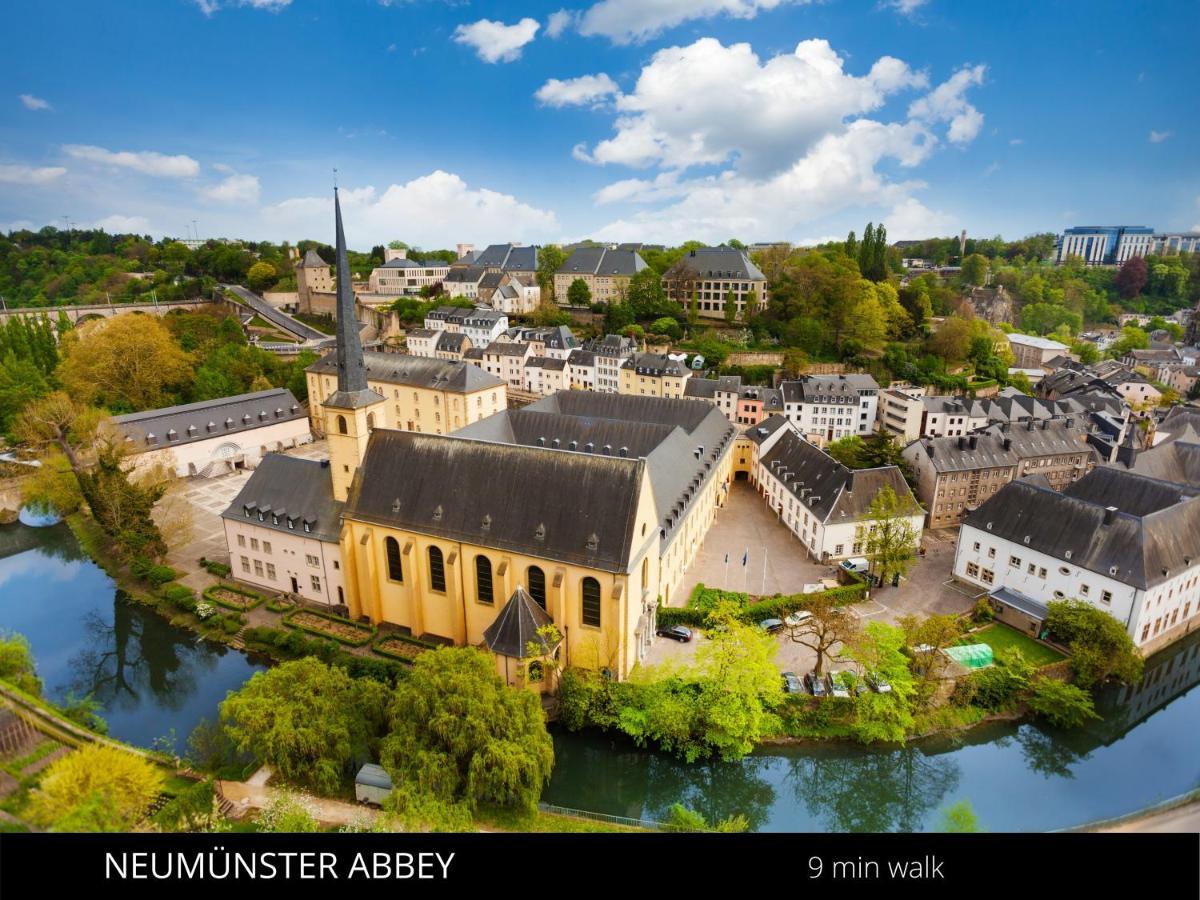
[(351, 411)]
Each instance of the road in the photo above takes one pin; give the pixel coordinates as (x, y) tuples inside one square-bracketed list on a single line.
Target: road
[(1184, 818), (276, 317)]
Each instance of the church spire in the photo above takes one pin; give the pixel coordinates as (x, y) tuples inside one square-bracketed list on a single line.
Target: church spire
[(352, 375)]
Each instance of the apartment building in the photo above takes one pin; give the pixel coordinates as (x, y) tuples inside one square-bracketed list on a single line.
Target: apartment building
[(901, 412), (712, 273), (506, 360), (654, 375), (606, 272), (1032, 352), (481, 324), (611, 353), (742, 404), (581, 370), (545, 376), (956, 474), (829, 407), (401, 276)]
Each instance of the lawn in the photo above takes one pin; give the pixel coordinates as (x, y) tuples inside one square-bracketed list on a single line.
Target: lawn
[(1000, 637)]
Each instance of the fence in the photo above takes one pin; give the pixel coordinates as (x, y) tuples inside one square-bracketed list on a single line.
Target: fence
[(600, 817)]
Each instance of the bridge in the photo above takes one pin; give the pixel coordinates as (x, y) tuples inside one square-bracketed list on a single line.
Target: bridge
[(86, 312), (276, 317)]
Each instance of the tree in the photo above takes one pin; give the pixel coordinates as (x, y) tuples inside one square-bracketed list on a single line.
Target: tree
[(579, 294), (693, 315), (261, 276), (646, 297), (1063, 705), (550, 260), (307, 719), (878, 651), (848, 451), (795, 363), (1100, 646), (1132, 338), (887, 534), (730, 308), (1086, 351), (751, 306), (95, 788), (16, 663), (131, 362), (975, 270), (926, 638), (460, 734), (829, 626), (1131, 277)]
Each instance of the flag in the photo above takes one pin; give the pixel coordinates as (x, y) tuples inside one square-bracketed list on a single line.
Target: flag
[(746, 556), (726, 559)]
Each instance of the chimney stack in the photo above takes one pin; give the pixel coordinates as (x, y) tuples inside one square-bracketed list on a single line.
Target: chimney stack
[(1110, 513)]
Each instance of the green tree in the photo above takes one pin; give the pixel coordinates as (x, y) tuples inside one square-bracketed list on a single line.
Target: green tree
[(888, 535), (95, 788), (959, 818), (261, 276), (730, 308), (16, 663), (830, 625), (693, 315), (975, 270), (646, 297), (1100, 646), (878, 650), (848, 451), (130, 362), (925, 639), (1062, 704), (579, 294), (550, 260), (309, 720), (459, 734)]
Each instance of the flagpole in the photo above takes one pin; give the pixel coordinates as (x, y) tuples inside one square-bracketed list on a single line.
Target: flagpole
[(746, 571), (764, 578), (725, 583)]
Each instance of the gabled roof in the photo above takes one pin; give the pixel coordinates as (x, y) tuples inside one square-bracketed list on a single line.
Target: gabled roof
[(602, 261), (312, 260), (173, 426), (720, 262), (286, 487), (508, 257), (504, 496), (516, 628), (416, 371)]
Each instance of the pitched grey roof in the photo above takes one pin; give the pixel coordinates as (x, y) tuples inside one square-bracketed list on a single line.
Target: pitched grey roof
[(655, 364), (612, 345), (764, 429), (986, 449), (582, 358), (602, 261), (172, 426), (464, 274), (451, 342), (508, 257), (417, 371), (721, 262), (517, 627), (504, 496), (406, 263), (1176, 461), (286, 487), (1142, 547), (545, 362), (312, 260), (828, 389), (827, 489), (506, 348)]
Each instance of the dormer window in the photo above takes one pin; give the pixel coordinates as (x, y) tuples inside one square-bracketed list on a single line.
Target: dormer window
[(308, 526), (229, 423), (291, 523), (150, 438), (210, 426), (172, 435)]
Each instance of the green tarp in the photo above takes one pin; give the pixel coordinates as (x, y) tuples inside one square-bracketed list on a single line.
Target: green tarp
[(972, 656)]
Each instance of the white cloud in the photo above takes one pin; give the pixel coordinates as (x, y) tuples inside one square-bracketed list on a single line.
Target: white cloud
[(496, 42), (558, 22), (435, 210), (626, 21), (991, 170), (948, 103), (690, 105), (811, 152), (208, 7), (118, 224), (233, 189), (1157, 137), (35, 103), (148, 162), (906, 7), (577, 91), (16, 174), (1016, 142)]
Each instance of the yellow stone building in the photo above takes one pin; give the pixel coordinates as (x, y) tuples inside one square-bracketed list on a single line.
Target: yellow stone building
[(654, 375), (583, 510)]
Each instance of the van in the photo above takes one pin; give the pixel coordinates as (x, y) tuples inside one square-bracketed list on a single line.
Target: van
[(856, 564)]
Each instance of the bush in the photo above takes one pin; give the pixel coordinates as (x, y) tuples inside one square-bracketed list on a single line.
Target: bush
[(996, 686), (157, 575), (1100, 646), (217, 568), (983, 611), (1062, 704), (181, 596)]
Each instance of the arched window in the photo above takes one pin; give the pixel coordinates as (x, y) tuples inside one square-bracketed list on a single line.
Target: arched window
[(590, 592), (483, 579), (537, 585), (645, 572), (341, 424), (437, 570), (370, 421), (395, 565), (536, 671)]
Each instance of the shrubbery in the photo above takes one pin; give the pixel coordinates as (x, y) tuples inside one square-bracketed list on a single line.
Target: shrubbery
[(152, 572), (181, 596)]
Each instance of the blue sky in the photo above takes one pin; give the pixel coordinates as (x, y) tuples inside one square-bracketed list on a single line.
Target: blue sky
[(653, 120)]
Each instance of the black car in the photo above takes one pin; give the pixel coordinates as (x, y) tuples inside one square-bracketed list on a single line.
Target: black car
[(792, 683), (771, 626), (815, 684), (679, 633)]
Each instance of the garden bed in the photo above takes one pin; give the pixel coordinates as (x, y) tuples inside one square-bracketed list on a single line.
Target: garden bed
[(401, 647), (232, 597), (281, 604), (345, 631)]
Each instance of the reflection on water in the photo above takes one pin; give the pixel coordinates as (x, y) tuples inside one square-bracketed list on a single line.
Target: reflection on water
[(1026, 777), (150, 678)]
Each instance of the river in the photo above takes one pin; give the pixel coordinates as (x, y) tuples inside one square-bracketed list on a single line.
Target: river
[(153, 680)]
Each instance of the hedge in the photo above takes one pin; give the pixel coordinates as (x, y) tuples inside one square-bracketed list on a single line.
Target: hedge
[(287, 644), (217, 568), (180, 595), (150, 571), (404, 638), (703, 599), (368, 631), (210, 594), (281, 605)]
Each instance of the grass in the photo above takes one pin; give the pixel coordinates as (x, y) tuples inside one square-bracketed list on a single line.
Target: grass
[(543, 822), (42, 750), (323, 324), (1000, 637)]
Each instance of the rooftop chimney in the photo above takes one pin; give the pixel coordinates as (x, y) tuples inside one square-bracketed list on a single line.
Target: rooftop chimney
[(1110, 513)]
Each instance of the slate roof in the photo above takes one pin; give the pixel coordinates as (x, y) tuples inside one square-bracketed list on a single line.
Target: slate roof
[(1050, 437), (451, 342), (464, 274), (289, 487), (416, 371), (1142, 548), (406, 263), (827, 389), (312, 260), (517, 627), (1177, 461), (583, 358), (545, 362), (602, 261), (506, 348), (612, 345), (504, 496), (764, 429), (655, 364), (827, 489), (721, 262), (508, 257), (173, 426)]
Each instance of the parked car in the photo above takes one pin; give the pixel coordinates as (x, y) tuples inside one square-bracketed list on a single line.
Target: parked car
[(856, 564), (792, 683), (680, 633), (838, 684), (877, 684), (770, 626), (796, 618), (815, 685)]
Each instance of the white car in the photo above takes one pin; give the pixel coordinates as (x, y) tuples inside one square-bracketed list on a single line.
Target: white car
[(796, 618)]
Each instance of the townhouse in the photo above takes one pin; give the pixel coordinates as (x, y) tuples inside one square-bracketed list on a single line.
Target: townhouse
[(829, 407), (654, 375)]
